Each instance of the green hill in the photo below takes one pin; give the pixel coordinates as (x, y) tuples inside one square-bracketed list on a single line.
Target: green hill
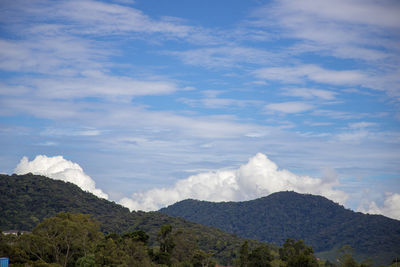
[(321, 223), (25, 200)]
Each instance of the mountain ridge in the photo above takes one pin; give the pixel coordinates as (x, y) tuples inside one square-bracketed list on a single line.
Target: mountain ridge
[(320, 222), (28, 199)]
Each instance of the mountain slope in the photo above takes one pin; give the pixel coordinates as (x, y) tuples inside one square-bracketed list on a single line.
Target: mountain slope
[(25, 200), (318, 221)]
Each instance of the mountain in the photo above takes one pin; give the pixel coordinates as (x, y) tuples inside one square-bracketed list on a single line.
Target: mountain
[(320, 222), (25, 200)]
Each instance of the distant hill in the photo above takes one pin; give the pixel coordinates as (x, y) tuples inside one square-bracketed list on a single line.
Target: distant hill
[(320, 222), (25, 200)]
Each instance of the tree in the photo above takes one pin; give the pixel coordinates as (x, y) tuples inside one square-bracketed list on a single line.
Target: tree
[(297, 254), (185, 246), (107, 253), (167, 244), (202, 259), (86, 261), (260, 257), (165, 238), (134, 247), (138, 235), (244, 254), (346, 257), (63, 238)]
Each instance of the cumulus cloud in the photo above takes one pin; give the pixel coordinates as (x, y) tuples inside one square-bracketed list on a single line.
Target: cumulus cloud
[(390, 207), (259, 177), (59, 168)]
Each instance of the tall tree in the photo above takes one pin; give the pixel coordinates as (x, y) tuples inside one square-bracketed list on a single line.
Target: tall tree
[(260, 257), (244, 254), (165, 238), (297, 254), (62, 238), (346, 257)]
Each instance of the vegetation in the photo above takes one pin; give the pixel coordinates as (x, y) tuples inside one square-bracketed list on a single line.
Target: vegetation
[(69, 239), (74, 239), (323, 224), (28, 199), (114, 236)]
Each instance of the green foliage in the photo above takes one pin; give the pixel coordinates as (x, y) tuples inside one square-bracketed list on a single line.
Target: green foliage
[(244, 254), (86, 261), (202, 259), (346, 257), (69, 239), (63, 238), (318, 221), (185, 246), (165, 238), (28, 199), (297, 254), (260, 256)]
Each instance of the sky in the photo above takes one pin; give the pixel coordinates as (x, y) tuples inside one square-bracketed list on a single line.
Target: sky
[(150, 102)]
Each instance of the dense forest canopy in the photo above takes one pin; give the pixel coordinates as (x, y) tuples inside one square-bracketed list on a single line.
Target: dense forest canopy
[(28, 199), (320, 222), (74, 239), (33, 203)]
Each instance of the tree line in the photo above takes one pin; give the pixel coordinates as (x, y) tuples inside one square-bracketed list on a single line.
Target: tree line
[(75, 239)]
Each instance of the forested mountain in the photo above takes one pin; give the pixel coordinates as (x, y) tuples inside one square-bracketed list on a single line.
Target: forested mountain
[(25, 200), (318, 221), (28, 199)]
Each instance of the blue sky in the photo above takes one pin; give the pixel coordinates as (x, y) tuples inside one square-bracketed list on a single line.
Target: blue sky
[(143, 94)]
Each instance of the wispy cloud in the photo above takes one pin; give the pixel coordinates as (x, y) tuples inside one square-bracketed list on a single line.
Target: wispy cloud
[(367, 31), (225, 56), (89, 17), (289, 107), (302, 73), (97, 84), (310, 93), (217, 102)]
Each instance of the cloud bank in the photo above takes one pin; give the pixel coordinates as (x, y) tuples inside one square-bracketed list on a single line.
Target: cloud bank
[(258, 178), (389, 208), (59, 168)]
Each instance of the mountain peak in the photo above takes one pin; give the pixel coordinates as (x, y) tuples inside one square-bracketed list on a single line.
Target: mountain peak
[(315, 219)]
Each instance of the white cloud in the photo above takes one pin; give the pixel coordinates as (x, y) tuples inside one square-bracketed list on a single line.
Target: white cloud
[(100, 85), (100, 18), (224, 56), (215, 102), (259, 177), (390, 207), (310, 93), (59, 168), (334, 24), (289, 107), (354, 137), (299, 74), (370, 12), (362, 30), (357, 132), (361, 125)]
